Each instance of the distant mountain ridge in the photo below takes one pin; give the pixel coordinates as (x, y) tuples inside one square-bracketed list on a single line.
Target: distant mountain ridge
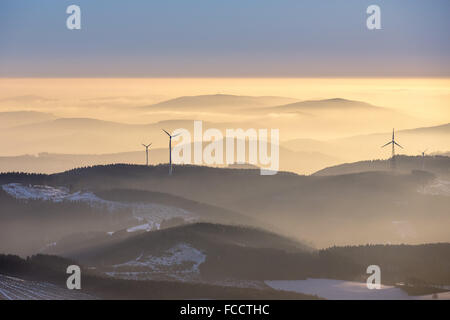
[(10, 119), (219, 100), (444, 128), (326, 104), (76, 123), (438, 165), (27, 98)]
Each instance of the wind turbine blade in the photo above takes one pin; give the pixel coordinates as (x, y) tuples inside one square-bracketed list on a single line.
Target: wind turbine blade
[(149, 144), (166, 132), (398, 144), (176, 135), (387, 144)]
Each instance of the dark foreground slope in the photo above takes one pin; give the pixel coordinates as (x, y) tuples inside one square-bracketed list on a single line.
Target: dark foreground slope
[(423, 268), (49, 271), (206, 252), (200, 251)]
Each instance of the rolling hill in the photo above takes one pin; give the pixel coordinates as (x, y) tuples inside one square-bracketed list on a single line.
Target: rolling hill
[(368, 146), (192, 252), (18, 118), (364, 207), (438, 165), (56, 217), (224, 102), (337, 104), (230, 254), (414, 141), (93, 136)]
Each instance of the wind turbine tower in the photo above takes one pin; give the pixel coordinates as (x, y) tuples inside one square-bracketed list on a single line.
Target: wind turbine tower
[(394, 143), (146, 152), (423, 159), (170, 150)]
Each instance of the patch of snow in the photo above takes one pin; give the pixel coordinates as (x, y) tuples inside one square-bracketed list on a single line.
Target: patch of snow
[(37, 192), (48, 193), (17, 289), (149, 226), (253, 284), (437, 187), (151, 214), (180, 254), (181, 262), (155, 213), (142, 227)]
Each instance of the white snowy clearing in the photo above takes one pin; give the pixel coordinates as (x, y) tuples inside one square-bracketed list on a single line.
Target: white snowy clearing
[(150, 213), (142, 227), (48, 193), (346, 290), (180, 262), (437, 187), (17, 289)]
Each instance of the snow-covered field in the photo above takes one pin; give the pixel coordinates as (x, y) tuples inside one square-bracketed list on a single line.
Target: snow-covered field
[(346, 290), (150, 214), (180, 262), (153, 214), (437, 187), (17, 289), (48, 193)]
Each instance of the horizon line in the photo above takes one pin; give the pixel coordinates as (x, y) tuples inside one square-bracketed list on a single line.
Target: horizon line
[(226, 77)]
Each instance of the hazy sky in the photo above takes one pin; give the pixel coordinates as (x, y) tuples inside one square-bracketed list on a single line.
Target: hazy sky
[(224, 38)]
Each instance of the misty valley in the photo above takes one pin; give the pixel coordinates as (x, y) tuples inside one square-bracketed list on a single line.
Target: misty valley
[(196, 234), (155, 200)]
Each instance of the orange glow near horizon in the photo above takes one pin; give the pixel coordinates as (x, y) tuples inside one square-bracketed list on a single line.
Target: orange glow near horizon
[(420, 97)]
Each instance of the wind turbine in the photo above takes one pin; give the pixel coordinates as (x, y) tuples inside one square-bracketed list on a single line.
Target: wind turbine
[(394, 143), (170, 149), (146, 152), (423, 158)]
